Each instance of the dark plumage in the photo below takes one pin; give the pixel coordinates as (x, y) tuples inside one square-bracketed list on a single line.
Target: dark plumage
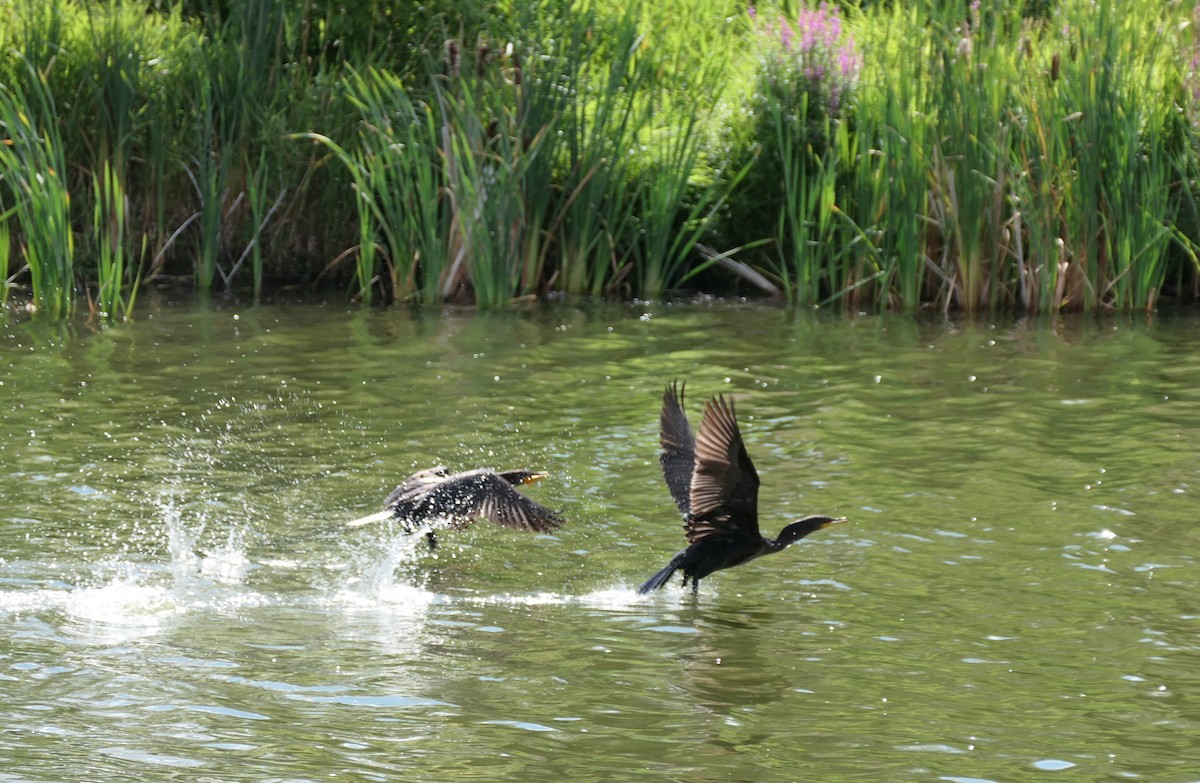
[(458, 499), (715, 486)]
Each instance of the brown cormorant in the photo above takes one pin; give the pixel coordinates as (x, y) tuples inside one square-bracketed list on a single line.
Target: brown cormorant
[(458, 499), (715, 486)]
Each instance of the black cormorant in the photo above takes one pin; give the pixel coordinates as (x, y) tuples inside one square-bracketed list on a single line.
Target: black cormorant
[(436, 494), (715, 486)]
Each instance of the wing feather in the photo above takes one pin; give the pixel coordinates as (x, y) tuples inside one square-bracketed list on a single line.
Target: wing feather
[(724, 488), (463, 498), (678, 448), (418, 482)]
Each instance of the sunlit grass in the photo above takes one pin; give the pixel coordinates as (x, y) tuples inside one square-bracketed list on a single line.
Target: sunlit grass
[(515, 168), (32, 170), (5, 258), (116, 293), (975, 157), (1000, 162)]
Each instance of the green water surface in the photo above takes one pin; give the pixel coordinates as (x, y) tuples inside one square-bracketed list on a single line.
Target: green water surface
[(1015, 599)]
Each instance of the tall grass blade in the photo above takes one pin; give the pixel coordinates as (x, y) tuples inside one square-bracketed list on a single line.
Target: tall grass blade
[(110, 225), (33, 170), (5, 256)]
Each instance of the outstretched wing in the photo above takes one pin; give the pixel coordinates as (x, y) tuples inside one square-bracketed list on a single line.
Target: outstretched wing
[(409, 489), (724, 491), (418, 482), (678, 447), (468, 496)]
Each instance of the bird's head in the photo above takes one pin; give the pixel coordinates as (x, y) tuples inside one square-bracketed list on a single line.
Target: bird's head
[(519, 477), (805, 525)]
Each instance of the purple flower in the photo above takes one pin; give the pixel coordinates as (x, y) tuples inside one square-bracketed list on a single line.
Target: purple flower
[(813, 54)]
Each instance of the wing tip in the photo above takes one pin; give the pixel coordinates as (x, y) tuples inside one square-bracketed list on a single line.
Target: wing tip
[(718, 402), (674, 393)]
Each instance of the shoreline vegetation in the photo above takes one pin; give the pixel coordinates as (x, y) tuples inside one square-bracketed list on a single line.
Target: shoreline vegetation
[(1036, 157)]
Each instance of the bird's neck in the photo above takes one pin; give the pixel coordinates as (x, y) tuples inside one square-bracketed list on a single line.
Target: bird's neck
[(789, 535), (774, 544)]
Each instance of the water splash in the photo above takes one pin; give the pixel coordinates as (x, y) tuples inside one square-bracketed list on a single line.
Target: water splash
[(130, 598), (125, 603), (377, 604), (228, 563), (374, 572), (181, 542), (611, 598)]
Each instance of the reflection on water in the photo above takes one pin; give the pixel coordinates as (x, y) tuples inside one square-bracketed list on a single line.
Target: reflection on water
[(1014, 598)]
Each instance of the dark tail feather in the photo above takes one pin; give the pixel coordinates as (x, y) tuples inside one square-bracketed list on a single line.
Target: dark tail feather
[(663, 576)]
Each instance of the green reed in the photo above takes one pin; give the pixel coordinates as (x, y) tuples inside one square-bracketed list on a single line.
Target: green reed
[(366, 178), (236, 93), (817, 243), (1089, 107), (994, 161), (117, 93), (256, 200), (805, 154), (1039, 251), (855, 267), (501, 115), (805, 214), (969, 176), (113, 257), (1098, 165), (514, 168), (116, 86), (601, 125), (683, 180), (106, 67), (5, 257), (209, 172), (891, 171), (1140, 243), (981, 159), (32, 170), (433, 178), (396, 167), (674, 209)]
